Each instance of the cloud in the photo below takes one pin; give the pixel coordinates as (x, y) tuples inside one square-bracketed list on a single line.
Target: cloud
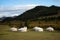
[(14, 10), (16, 7)]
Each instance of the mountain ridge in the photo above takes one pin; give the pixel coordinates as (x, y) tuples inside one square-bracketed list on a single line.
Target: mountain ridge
[(39, 11)]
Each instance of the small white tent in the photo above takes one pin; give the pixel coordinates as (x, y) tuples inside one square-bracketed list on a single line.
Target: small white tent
[(13, 29), (38, 29), (24, 29), (50, 29)]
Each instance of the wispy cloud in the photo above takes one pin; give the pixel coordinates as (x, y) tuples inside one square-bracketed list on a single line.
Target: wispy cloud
[(14, 10)]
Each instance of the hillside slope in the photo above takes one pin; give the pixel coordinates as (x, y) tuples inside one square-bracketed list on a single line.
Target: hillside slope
[(40, 12)]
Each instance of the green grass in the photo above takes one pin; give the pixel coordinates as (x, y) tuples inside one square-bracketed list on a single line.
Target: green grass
[(5, 34)]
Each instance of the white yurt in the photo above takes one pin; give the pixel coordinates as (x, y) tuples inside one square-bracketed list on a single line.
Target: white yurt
[(39, 29), (13, 29), (50, 29), (24, 29)]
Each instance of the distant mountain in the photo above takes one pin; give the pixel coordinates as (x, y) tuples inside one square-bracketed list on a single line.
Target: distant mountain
[(2, 18), (40, 12), (37, 13)]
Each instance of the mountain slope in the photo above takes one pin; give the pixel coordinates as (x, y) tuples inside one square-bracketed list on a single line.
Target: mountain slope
[(39, 11)]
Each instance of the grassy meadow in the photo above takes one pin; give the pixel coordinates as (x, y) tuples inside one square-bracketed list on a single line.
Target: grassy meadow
[(6, 34)]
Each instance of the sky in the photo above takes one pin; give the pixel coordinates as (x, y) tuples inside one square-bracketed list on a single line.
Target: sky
[(17, 7)]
